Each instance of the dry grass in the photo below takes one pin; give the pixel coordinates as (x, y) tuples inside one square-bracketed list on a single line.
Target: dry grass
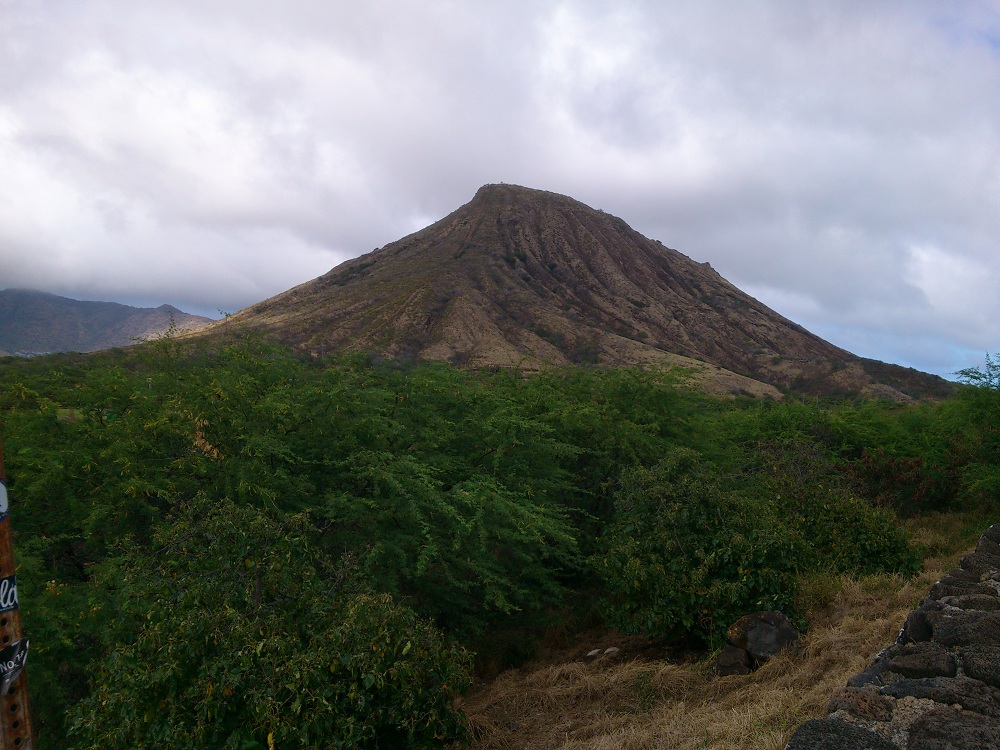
[(641, 704)]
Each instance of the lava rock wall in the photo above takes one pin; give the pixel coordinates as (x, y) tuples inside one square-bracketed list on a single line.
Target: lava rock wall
[(938, 685)]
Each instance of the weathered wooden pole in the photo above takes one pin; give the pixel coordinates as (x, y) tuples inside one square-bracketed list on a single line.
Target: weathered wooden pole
[(15, 715)]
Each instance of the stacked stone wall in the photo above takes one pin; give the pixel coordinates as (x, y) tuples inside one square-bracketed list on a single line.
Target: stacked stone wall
[(938, 685)]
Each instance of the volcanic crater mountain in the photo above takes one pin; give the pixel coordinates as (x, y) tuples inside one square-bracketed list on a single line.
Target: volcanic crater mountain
[(525, 278)]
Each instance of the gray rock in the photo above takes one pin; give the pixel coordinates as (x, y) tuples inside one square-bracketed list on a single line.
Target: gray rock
[(964, 628), (958, 582), (982, 662), (947, 728), (992, 533), (926, 659), (988, 546), (980, 562), (597, 653), (962, 574), (864, 703), (869, 677), (834, 734), (979, 602), (762, 634), (873, 674), (731, 661), (917, 626), (972, 695)]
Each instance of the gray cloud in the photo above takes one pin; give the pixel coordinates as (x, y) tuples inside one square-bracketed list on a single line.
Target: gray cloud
[(838, 161)]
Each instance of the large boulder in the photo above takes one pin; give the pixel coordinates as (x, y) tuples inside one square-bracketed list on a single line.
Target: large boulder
[(732, 660), (762, 634)]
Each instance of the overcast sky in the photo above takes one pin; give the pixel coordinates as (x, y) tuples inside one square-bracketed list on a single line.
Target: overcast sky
[(840, 161)]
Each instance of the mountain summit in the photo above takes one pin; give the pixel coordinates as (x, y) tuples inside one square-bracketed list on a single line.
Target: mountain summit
[(528, 278)]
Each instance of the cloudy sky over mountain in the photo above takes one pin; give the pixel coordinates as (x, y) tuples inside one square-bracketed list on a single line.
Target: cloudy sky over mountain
[(838, 160)]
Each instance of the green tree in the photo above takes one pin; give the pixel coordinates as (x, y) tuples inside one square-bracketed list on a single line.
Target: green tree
[(814, 502), (684, 558), (980, 406), (231, 631)]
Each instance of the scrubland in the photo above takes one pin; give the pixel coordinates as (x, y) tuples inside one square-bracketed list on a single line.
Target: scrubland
[(229, 545)]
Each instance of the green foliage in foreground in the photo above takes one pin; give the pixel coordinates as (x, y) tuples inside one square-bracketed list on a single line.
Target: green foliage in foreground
[(689, 557), (981, 401), (232, 630), (686, 555), (460, 503)]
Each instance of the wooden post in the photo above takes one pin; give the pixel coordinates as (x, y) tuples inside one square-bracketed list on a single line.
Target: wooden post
[(15, 715)]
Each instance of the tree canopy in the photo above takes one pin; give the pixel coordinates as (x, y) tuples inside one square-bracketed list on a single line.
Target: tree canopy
[(220, 544)]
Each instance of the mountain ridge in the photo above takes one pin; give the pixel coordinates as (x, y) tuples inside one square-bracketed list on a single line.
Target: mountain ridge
[(527, 278), (34, 323)]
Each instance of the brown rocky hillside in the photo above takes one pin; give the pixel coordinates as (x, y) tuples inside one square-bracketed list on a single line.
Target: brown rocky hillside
[(526, 278)]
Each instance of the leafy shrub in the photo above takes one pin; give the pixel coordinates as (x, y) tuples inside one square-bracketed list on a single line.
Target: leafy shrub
[(906, 484), (464, 553), (979, 404), (233, 633), (843, 533), (65, 637), (839, 531), (687, 553), (685, 558)]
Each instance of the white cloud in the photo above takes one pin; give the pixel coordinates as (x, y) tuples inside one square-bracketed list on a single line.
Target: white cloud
[(840, 160), (962, 292)]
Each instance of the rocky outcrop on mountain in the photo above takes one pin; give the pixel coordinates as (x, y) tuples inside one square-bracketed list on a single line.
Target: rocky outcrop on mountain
[(33, 323), (938, 685), (526, 278)]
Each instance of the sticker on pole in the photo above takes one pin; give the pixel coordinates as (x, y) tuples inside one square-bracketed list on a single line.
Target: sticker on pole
[(3, 500), (12, 658), (8, 593)]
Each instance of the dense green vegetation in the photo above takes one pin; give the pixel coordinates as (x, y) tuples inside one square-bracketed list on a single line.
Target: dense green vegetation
[(239, 547)]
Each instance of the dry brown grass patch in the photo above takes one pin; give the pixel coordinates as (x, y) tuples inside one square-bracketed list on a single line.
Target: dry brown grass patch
[(640, 705)]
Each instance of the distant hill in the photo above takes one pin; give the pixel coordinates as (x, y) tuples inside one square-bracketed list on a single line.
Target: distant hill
[(527, 278), (33, 323)]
